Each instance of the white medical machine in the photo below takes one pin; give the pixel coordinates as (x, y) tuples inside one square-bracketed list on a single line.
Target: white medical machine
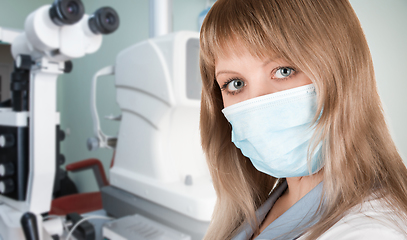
[(29, 123), (159, 170)]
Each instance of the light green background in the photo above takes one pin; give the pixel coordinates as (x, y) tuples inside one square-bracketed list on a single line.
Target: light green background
[(384, 22)]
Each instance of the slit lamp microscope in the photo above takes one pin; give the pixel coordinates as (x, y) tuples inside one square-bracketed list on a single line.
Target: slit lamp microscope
[(29, 124)]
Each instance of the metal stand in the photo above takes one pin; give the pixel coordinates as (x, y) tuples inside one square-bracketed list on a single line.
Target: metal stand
[(28, 187)]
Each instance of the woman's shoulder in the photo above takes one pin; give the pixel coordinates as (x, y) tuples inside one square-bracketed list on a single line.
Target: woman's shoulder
[(373, 219)]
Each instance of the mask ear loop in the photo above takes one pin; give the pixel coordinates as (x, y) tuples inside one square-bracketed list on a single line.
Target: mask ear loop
[(316, 140)]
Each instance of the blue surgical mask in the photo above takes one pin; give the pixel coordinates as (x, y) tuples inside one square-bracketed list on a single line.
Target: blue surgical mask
[(274, 131)]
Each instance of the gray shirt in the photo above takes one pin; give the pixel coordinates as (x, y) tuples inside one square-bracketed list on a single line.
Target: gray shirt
[(292, 223)]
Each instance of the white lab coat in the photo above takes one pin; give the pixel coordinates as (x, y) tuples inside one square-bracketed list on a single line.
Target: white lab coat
[(290, 224), (370, 221)]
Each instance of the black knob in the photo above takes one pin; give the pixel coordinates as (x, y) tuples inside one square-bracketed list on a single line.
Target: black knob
[(68, 67), (29, 223), (24, 62), (6, 186), (6, 140), (61, 159), (6, 169), (61, 135)]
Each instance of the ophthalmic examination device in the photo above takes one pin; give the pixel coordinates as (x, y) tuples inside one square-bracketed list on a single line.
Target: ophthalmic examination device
[(29, 123)]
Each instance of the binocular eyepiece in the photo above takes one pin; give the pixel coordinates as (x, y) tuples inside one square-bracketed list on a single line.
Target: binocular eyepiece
[(67, 12), (104, 21)]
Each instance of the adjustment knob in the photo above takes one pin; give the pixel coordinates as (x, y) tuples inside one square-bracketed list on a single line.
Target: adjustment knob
[(24, 62), (61, 135), (68, 66), (6, 186), (92, 143), (6, 140), (30, 227), (61, 159), (6, 169)]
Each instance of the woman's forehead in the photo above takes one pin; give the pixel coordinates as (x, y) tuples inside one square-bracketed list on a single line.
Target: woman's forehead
[(234, 49)]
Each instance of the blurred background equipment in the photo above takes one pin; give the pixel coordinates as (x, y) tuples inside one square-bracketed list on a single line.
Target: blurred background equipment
[(29, 123)]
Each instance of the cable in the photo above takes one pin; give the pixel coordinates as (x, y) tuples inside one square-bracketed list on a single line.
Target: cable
[(52, 216), (81, 221), (54, 224)]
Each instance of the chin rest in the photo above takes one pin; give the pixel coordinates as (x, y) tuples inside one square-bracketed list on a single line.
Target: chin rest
[(82, 202)]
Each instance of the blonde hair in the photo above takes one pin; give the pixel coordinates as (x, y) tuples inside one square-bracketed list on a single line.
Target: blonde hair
[(324, 39)]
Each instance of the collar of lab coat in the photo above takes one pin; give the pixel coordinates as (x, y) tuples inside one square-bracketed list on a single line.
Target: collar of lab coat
[(292, 223)]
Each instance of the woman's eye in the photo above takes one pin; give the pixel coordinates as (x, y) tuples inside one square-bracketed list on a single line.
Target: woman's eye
[(235, 85), (284, 72)]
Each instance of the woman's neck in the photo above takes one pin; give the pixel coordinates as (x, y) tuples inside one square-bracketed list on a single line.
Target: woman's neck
[(298, 187)]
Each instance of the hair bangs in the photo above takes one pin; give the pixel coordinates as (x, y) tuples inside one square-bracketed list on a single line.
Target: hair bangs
[(234, 27)]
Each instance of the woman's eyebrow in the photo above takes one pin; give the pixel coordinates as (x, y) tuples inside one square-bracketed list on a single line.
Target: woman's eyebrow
[(225, 72), (270, 60)]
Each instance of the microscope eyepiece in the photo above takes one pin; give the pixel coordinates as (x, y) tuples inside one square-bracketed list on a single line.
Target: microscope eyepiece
[(72, 8), (104, 21), (66, 12)]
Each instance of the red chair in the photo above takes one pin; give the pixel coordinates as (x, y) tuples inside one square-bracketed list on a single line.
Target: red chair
[(82, 202)]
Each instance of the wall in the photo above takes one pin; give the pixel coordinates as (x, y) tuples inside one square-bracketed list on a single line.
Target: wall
[(6, 68), (74, 88), (384, 26), (384, 23), (12, 15)]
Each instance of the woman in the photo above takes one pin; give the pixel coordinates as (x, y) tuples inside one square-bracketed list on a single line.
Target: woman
[(292, 125)]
